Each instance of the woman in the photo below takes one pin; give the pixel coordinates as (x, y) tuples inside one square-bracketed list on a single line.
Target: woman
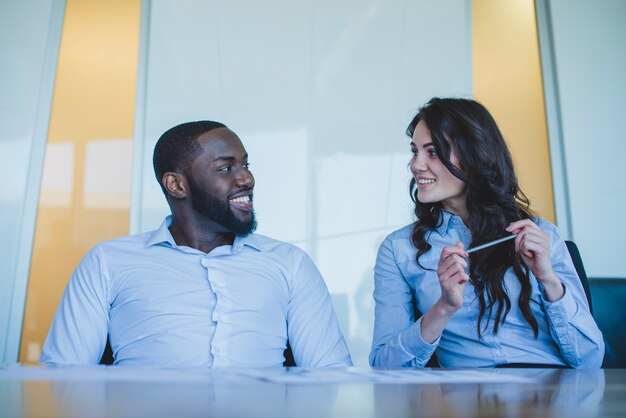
[(516, 303)]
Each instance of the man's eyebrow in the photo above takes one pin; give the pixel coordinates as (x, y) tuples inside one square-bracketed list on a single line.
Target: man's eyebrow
[(229, 158), (224, 158)]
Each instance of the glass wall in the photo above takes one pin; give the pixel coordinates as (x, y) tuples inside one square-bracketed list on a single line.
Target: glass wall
[(589, 66), (29, 37), (85, 191), (320, 93)]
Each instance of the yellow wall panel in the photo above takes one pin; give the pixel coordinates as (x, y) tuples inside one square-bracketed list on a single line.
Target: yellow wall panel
[(85, 196), (507, 80)]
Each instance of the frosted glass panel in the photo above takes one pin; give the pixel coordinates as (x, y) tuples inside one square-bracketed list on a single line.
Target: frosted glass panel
[(320, 93), (590, 56), (28, 41)]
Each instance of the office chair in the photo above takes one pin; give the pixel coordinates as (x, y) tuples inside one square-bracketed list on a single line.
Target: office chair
[(580, 269), (107, 355), (108, 359), (610, 315)]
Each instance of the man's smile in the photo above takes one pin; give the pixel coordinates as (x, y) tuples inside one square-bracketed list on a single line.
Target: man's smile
[(243, 203)]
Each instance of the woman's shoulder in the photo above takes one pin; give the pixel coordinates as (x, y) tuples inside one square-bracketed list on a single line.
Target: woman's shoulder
[(547, 226), (398, 244), (402, 234)]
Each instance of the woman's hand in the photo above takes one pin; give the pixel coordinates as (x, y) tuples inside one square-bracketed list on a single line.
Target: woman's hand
[(533, 246), (452, 276)]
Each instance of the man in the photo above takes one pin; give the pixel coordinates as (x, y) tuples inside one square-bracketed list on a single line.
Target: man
[(202, 290)]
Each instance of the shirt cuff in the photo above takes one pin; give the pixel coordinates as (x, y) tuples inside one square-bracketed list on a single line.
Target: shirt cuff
[(562, 310), (413, 343)]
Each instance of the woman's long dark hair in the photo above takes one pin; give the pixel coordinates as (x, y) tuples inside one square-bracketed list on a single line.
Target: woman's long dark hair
[(494, 200)]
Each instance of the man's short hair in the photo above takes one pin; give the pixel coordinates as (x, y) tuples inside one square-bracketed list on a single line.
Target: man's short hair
[(178, 147)]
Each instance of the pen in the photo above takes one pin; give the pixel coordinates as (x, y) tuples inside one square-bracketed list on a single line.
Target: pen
[(489, 244)]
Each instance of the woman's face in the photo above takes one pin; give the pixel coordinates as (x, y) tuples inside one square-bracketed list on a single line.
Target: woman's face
[(435, 183)]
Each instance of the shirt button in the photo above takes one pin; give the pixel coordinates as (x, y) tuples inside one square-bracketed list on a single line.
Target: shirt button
[(498, 353), (205, 262)]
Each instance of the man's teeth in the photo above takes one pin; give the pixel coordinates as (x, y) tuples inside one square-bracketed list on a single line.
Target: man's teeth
[(426, 181), (241, 199)]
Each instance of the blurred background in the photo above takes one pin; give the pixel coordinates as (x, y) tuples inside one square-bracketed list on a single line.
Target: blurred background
[(320, 92)]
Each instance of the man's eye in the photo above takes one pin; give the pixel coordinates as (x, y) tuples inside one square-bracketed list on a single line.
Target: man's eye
[(224, 169), (246, 166)]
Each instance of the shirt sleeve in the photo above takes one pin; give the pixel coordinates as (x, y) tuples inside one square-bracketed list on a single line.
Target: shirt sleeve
[(312, 327), (79, 329), (397, 338), (572, 327)]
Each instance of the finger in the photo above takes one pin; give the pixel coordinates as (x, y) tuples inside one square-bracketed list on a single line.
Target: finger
[(534, 231), (459, 278), (452, 275), (453, 282), (448, 251), (535, 242), (536, 248), (517, 226), (452, 260), (455, 249)]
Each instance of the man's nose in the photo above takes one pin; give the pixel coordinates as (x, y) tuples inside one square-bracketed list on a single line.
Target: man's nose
[(245, 178)]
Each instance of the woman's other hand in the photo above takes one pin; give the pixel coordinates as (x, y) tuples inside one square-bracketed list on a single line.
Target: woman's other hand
[(533, 246)]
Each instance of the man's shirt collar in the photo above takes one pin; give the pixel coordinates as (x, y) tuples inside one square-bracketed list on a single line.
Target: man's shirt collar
[(162, 235)]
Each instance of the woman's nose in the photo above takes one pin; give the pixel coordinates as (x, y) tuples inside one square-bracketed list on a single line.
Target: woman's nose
[(417, 165)]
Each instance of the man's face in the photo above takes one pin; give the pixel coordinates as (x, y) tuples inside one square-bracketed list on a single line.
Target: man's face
[(221, 184)]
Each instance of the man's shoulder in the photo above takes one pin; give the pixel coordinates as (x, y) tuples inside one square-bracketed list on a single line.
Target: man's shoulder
[(270, 245), (123, 243)]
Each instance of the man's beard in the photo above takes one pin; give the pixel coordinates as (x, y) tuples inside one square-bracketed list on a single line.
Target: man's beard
[(219, 212)]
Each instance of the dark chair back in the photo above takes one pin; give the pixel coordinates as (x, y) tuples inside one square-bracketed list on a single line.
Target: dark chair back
[(107, 356), (108, 359), (580, 269), (610, 315)]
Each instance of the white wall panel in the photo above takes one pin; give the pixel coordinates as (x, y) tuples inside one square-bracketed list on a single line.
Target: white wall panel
[(320, 93), (590, 57)]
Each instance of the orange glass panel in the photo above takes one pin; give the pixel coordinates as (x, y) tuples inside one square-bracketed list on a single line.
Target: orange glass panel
[(508, 81), (85, 196)]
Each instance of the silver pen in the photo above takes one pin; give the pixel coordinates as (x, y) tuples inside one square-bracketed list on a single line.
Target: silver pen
[(489, 244)]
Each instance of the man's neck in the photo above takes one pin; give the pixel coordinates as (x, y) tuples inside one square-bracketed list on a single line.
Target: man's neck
[(203, 236)]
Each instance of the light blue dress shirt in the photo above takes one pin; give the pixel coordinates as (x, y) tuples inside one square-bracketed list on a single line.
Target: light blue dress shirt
[(169, 305), (568, 335)]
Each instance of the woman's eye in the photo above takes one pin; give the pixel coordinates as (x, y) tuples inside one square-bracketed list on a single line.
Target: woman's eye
[(432, 153)]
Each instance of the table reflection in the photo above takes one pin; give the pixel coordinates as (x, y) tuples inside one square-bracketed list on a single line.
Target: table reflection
[(125, 392), (557, 393), (171, 394)]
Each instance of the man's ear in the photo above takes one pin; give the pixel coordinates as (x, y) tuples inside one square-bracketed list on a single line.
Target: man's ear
[(175, 184)]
